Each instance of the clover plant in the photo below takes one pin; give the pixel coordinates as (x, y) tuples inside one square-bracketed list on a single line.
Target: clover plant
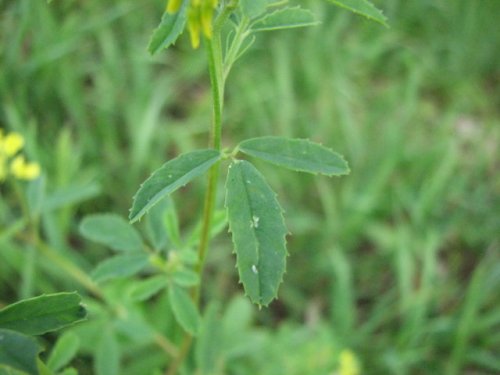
[(226, 29), (254, 214)]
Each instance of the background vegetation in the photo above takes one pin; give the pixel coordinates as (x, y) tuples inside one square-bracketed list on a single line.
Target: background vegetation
[(398, 262)]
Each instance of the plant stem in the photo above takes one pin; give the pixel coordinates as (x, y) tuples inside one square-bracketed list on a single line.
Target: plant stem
[(217, 81), (86, 281), (236, 46), (217, 86), (71, 269)]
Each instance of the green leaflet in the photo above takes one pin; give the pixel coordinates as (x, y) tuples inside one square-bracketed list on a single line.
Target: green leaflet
[(170, 177), (18, 352), (296, 154), (111, 230), (35, 195), (107, 355), (168, 31), (364, 8), (253, 8), (120, 266), (185, 277), (69, 371), (219, 222), (46, 313), (185, 311), (209, 343), (188, 256), (258, 231), (145, 289), (43, 368), (65, 349), (70, 195), (155, 224), (285, 18)]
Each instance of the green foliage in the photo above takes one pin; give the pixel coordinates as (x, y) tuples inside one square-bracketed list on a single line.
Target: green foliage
[(111, 230), (296, 154), (46, 313), (253, 8), (170, 177), (18, 353), (402, 255), (362, 7), (36, 316), (107, 355), (63, 352), (258, 231), (186, 278), (170, 28), (145, 289), (208, 348), (120, 266), (285, 18), (184, 309)]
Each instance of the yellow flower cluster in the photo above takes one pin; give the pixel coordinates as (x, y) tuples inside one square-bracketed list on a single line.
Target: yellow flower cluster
[(200, 15), (11, 163)]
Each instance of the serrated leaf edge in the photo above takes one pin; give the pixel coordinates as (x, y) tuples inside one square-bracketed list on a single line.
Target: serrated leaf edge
[(287, 254), (74, 295), (163, 45), (279, 10), (157, 197), (340, 156), (382, 22)]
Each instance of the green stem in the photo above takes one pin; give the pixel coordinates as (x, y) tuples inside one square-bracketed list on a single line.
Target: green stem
[(86, 281), (36, 245), (217, 85), (215, 68), (70, 269), (235, 50)]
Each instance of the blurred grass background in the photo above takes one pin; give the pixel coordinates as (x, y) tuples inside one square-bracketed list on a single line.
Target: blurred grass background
[(398, 262)]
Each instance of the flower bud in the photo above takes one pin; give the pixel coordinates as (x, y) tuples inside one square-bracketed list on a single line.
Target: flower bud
[(194, 27), (206, 21)]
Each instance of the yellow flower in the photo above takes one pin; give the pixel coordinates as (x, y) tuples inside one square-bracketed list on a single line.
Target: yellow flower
[(24, 171), (200, 17), (11, 143), (194, 27), (348, 364)]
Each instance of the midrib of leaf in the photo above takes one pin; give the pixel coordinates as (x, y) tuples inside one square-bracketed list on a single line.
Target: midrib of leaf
[(266, 27), (274, 156), (262, 245), (38, 317), (177, 184), (254, 231)]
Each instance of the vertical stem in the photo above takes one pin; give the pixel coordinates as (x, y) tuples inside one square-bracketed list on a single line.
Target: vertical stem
[(28, 273), (217, 86), (217, 83), (215, 66)]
